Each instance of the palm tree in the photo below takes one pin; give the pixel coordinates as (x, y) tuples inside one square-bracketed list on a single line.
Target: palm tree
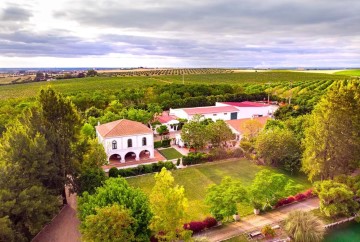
[(304, 227)]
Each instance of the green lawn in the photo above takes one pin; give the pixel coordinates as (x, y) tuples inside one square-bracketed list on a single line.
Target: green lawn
[(170, 153), (196, 179), (349, 72)]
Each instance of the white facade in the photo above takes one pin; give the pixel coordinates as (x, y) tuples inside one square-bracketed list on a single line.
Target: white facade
[(249, 112), (133, 145), (216, 115), (172, 126)]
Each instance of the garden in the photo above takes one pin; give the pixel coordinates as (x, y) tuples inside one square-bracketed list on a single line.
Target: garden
[(197, 179), (170, 153)]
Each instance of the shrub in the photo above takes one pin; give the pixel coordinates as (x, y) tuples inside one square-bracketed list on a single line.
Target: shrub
[(281, 202), (268, 232), (196, 226), (157, 144), (299, 197), (178, 162), (113, 172), (194, 158), (210, 222), (148, 169), (166, 143), (237, 153), (290, 199), (309, 193)]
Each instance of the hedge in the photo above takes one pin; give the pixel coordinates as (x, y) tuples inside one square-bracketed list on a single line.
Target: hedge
[(297, 197), (162, 143), (215, 154), (198, 226), (141, 169)]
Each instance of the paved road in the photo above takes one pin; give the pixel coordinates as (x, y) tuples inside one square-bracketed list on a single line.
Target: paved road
[(253, 222), (64, 227)]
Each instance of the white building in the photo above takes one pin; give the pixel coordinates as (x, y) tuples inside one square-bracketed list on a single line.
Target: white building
[(126, 140), (170, 121), (250, 109), (224, 112), (238, 127)]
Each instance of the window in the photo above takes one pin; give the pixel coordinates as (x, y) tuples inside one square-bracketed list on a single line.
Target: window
[(129, 143), (144, 141), (214, 114), (114, 145), (225, 113)]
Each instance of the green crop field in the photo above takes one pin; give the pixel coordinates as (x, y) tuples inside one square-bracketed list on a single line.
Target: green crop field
[(349, 72), (196, 179), (91, 84)]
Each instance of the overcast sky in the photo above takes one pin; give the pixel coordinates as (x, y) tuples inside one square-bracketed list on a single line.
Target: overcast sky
[(180, 33)]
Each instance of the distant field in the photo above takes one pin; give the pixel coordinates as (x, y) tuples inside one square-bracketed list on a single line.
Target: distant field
[(196, 179), (116, 83), (348, 73), (18, 79)]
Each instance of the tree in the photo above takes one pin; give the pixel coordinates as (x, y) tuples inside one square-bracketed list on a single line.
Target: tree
[(219, 133), (88, 130), (161, 130), (335, 198), (58, 121), (90, 179), (117, 191), (194, 133), (168, 205), (7, 233), (279, 147), (268, 187), (304, 226), (223, 198), (331, 142), (252, 128), (110, 223), (91, 72)]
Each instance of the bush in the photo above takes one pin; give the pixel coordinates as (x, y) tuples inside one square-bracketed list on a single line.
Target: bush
[(237, 153), (157, 144), (268, 232), (178, 162), (299, 197), (166, 143), (194, 158), (210, 222), (113, 172), (290, 199), (309, 193)]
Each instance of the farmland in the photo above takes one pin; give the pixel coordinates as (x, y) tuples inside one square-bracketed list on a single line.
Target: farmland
[(196, 179), (91, 84), (349, 72)]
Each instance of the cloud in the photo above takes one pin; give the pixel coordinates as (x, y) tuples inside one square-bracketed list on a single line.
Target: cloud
[(199, 33), (15, 13)]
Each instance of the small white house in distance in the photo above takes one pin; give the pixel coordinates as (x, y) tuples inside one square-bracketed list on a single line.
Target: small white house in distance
[(170, 121), (224, 112), (125, 140), (250, 109)]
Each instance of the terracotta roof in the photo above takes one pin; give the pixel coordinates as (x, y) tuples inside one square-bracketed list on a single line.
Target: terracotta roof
[(165, 117), (122, 127), (210, 109), (238, 124), (246, 104)]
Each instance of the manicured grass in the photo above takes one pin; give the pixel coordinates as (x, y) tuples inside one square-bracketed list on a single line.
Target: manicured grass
[(197, 178), (240, 238), (349, 72), (170, 153)]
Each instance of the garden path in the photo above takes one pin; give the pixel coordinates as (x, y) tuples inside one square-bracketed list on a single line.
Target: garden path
[(256, 222)]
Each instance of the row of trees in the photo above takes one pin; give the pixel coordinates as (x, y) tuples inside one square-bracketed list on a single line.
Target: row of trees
[(40, 153), (266, 189)]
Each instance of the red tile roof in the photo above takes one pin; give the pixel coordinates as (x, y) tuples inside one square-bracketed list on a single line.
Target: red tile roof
[(165, 117), (246, 104), (210, 109), (122, 127), (238, 124)]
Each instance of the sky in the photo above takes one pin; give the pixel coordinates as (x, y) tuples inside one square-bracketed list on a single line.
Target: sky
[(181, 33)]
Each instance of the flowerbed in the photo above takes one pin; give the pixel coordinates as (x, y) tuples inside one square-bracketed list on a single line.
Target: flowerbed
[(198, 226), (296, 198)]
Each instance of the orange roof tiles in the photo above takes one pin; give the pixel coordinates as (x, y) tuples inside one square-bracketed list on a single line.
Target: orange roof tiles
[(122, 127)]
